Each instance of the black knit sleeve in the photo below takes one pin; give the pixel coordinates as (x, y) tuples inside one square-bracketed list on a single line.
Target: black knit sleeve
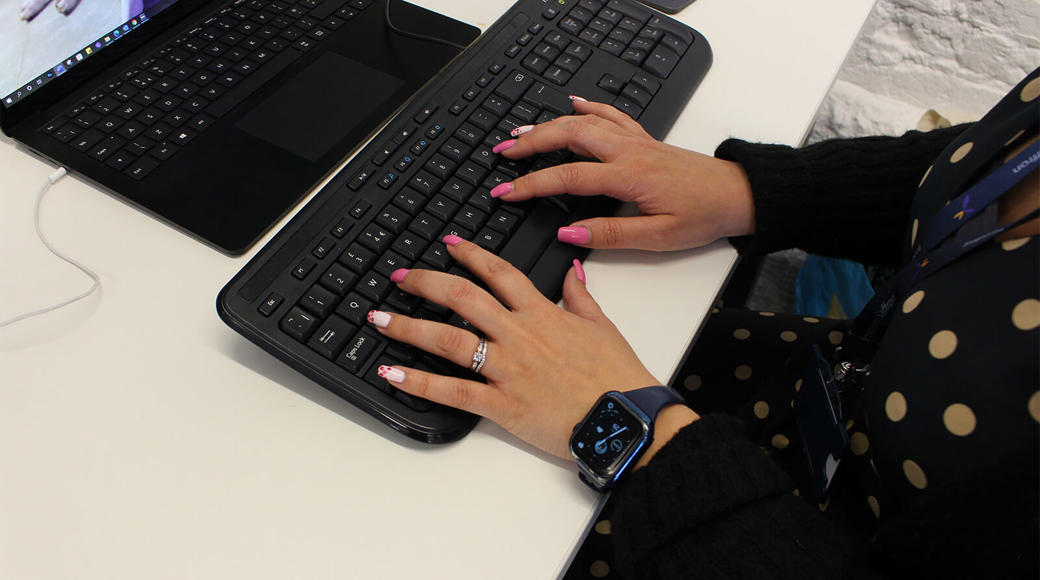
[(713, 502), (848, 198)]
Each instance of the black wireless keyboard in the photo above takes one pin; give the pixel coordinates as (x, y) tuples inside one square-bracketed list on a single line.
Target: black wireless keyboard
[(304, 297)]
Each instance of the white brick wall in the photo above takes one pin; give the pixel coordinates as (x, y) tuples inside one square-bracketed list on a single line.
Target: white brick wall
[(956, 56)]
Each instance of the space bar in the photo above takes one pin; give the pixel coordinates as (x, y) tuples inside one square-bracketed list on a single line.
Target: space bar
[(253, 82), (531, 239)]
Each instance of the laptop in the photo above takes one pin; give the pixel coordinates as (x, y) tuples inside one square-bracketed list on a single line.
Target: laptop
[(215, 117)]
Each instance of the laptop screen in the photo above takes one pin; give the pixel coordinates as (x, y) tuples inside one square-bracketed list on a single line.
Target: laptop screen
[(43, 39)]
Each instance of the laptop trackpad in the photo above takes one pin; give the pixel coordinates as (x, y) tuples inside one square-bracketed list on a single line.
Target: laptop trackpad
[(320, 106)]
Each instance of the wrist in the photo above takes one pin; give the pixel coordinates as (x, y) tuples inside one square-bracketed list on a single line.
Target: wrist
[(739, 199), (669, 421)]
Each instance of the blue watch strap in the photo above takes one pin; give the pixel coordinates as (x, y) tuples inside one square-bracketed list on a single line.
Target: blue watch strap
[(652, 399)]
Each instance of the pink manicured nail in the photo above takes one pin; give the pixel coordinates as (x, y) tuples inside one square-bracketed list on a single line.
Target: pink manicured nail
[(577, 235), (503, 146), (502, 189), (578, 271), (452, 240), (521, 130), (398, 275), (379, 318), (577, 98), (394, 375)]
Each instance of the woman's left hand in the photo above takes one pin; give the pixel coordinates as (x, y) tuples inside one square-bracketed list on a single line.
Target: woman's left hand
[(545, 366)]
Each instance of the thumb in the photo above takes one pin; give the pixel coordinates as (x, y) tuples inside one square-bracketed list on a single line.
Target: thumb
[(638, 233), (576, 296)]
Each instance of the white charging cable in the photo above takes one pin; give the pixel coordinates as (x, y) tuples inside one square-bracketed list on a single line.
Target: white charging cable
[(54, 177)]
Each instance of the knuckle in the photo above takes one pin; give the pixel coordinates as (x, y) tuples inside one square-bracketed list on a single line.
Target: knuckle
[(661, 239), (569, 175), (613, 232), (578, 128), (499, 267), (449, 341), (420, 387), (460, 291), (459, 395)]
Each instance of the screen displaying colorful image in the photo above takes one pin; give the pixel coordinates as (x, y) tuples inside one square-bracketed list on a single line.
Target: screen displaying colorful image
[(41, 39)]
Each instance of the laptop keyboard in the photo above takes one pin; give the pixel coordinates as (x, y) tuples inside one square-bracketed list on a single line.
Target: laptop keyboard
[(146, 114), (305, 296)]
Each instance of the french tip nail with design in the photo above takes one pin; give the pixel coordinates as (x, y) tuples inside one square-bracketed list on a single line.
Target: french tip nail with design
[(451, 240), (578, 99), (392, 374), (579, 270), (521, 130), (379, 318), (569, 235), (502, 189), (503, 146), (398, 275)]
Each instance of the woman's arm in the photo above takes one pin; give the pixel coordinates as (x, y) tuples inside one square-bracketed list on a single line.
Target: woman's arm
[(848, 198)]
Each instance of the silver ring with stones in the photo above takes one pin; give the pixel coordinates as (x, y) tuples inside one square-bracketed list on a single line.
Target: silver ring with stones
[(479, 356)]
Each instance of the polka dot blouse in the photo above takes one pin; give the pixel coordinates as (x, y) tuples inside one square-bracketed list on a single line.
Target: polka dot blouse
[(941, 474)]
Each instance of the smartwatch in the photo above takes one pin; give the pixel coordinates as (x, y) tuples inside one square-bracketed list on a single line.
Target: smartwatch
[(609, 441)]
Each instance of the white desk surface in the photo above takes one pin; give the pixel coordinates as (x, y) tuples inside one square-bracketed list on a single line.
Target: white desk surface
[(142, 438)]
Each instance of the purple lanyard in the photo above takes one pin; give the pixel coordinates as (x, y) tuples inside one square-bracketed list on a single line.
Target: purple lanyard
[(938, 247), (970, 204)]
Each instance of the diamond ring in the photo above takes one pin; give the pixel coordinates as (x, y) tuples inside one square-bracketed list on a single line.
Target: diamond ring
[(479, 356)]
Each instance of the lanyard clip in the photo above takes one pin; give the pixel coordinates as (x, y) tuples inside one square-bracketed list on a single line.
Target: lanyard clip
[(845, 372)]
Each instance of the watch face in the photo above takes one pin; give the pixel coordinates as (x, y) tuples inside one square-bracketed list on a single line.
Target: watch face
[(607, 437)]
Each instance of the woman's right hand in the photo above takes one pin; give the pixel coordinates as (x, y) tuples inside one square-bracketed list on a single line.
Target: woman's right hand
[(685, 199)]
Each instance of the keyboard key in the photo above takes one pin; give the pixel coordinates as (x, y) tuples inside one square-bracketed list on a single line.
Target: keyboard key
[(163, 151), (158, 132), (389, 262), (402, 301), (374, 286), (270, 304), (87, 118), (66, 133), (636, 94), (319, 301), (437, 257), (298, 324), (131, 130), (339, 279), (323, 248), (425, 183), (106, 148), (661, 61), (354, 308), (332, 336), (86, 140), (303, 268), (393, 219), (357, 258), (426, 226), (611, 84), (410, 201), (514, 85), (140, 146), (119, 160), (181, 137), (410, 245), (470, 218), (442, 208), (375, 238), (109, 124), (141, 168), (646, 82)]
